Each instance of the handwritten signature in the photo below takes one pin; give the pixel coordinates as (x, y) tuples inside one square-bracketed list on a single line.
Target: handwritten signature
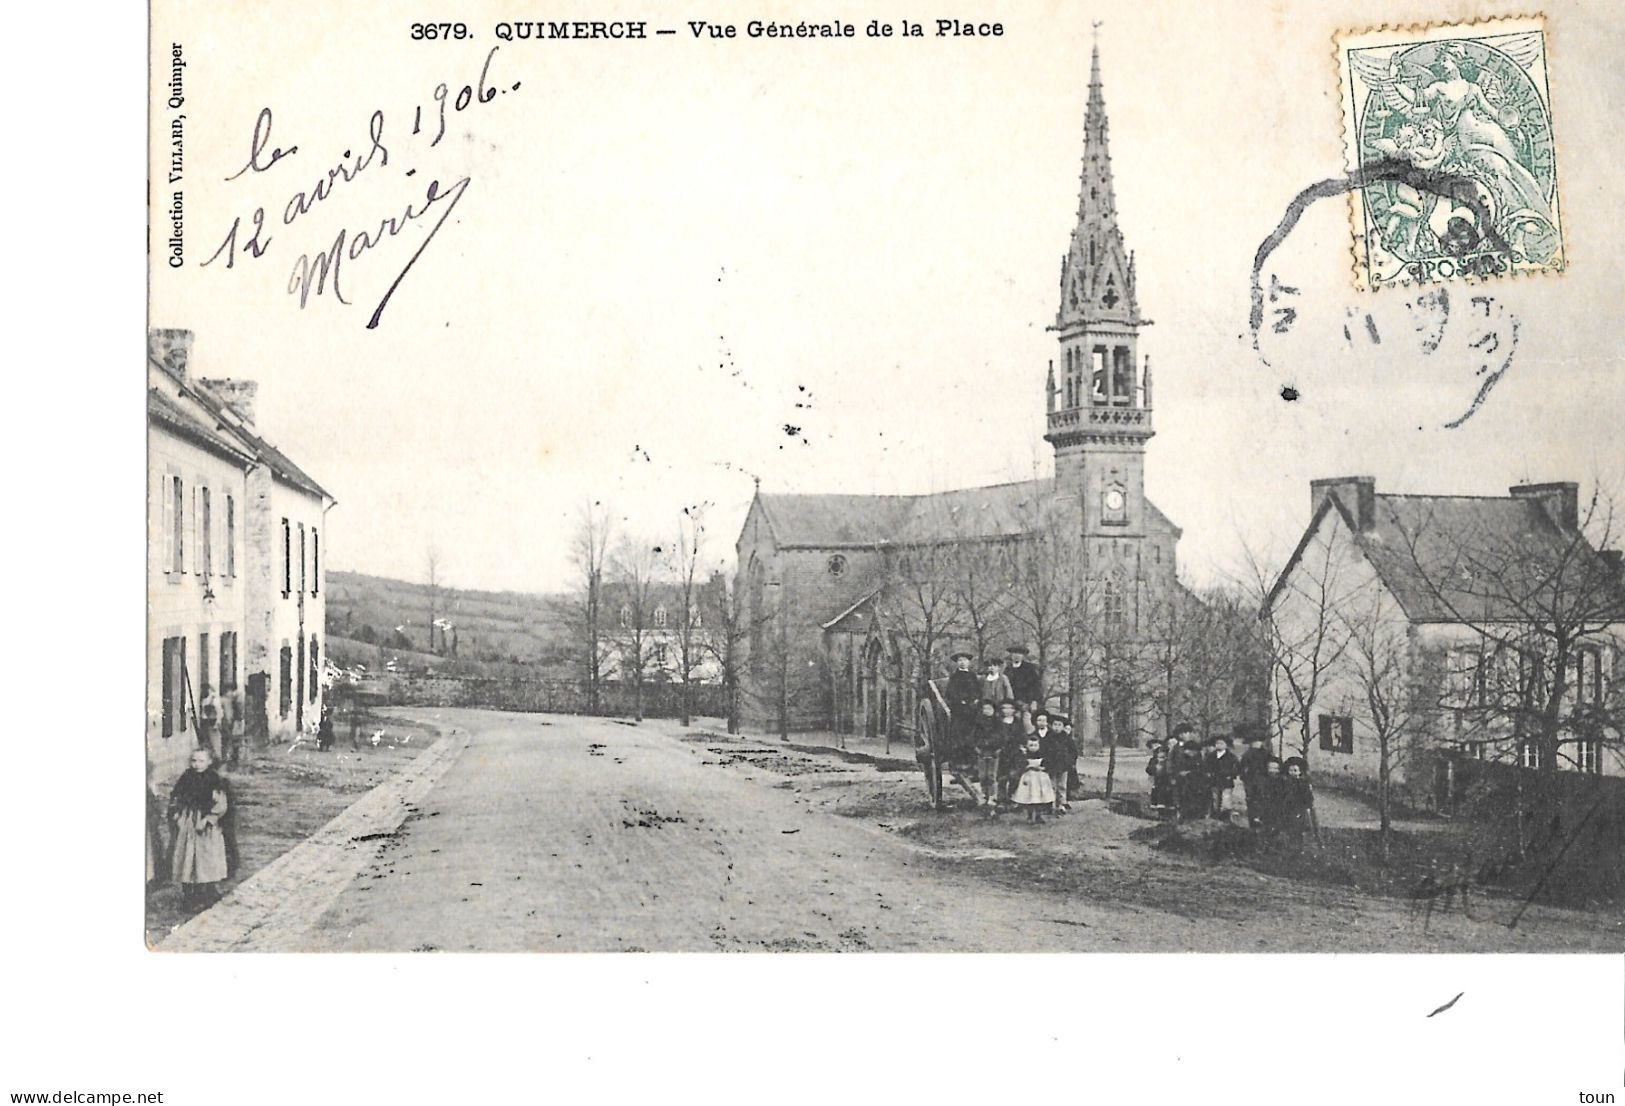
[(315, 273), (1554, 843)]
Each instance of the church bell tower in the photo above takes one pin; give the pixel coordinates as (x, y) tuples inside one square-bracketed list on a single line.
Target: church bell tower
[(1099, 395)]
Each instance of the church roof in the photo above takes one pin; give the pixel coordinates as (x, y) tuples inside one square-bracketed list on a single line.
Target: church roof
[(865, 521)]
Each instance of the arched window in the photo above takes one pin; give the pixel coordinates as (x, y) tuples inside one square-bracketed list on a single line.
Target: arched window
[(626, 616)]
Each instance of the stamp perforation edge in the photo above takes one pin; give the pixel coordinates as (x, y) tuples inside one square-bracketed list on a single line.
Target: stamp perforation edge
[(1347, 110)]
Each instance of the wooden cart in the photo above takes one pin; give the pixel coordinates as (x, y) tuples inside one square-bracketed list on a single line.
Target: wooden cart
[(934, 748)]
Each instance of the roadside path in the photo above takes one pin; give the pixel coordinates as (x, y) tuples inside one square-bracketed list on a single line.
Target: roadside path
[(274, 908)]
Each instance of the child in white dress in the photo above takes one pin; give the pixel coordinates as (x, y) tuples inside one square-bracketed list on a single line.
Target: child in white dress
[(1034, 790)]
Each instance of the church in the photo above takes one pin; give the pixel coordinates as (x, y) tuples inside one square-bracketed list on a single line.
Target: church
[(851, 602)]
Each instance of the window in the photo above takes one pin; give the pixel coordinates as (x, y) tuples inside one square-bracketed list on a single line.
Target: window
[(287, 561), (1097, 375), (1114, 608), (206, 531), (1585, 757), (315, 562), (1122, 376), (660, 655), (173, 690), (315, 667), (836, 565), (175, 524), (1529, 754), (1337, 733), (1588, 676), (626, 616), (302, 581), (285, 685), (1465, 673), (231, 537), (660, 618)]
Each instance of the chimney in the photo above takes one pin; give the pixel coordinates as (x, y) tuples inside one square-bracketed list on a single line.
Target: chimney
[(1562, 500), (170, 348), (1357, 494), (236, 394)]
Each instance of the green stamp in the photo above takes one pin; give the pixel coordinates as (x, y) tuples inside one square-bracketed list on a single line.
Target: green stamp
[(1448, 130)]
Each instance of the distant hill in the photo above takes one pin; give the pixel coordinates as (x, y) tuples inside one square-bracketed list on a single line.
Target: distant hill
[(508, 626)]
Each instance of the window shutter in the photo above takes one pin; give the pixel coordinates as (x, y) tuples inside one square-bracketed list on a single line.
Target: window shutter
[(167, 495), (1326, 732), (168, 691), (197, 532)]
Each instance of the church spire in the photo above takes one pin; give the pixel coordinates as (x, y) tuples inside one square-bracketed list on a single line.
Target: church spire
[(1097, 276)]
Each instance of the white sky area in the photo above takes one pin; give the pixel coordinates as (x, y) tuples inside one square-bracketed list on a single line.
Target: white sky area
[(667, 245)]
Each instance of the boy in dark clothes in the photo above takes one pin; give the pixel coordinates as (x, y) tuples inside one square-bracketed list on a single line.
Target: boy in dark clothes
[(1026, 683), (1222, 770), (1265, 797), (961, 694), (1189, 779), (1060, 754), (1252, 767), (988, 740), (1012, 751), (1296, 802), (1156, 766)]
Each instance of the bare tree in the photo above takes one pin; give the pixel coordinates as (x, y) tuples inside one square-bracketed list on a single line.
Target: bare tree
[(432, 589), (980, 589), (1044, 573), (582, 608), (1303, 635), (731, 626), (1545, 608), (686, 559), (636, 569), (917, 606), (1379, 664)]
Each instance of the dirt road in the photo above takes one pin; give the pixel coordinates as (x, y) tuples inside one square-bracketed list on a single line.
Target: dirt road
[(582, 834)]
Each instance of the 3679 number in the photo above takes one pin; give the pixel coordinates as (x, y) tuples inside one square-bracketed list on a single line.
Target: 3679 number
[(432, 31)]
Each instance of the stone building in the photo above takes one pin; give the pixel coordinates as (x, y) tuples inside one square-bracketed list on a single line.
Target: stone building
[(1444, 627), (235, 562), (840, 591)]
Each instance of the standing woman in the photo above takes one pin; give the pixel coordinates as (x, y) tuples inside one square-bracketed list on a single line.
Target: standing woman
[(196, 806)]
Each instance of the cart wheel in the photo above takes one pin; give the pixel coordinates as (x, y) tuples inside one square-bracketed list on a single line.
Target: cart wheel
[(933, 782), (927, 744)]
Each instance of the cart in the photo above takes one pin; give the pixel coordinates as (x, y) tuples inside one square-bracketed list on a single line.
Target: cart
[(934, 749)]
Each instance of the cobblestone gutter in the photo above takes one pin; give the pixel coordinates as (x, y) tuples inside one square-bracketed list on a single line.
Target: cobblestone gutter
[(271, 910)]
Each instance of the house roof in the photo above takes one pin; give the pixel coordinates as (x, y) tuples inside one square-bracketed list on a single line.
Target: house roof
[(849, 521), (231, 424), (1470, 558), (165, 412)]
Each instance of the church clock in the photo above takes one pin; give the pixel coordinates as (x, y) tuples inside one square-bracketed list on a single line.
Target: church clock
[(1114, 506)]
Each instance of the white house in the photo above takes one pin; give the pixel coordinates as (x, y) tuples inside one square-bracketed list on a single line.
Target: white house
[(235, 549), (1440, 627)]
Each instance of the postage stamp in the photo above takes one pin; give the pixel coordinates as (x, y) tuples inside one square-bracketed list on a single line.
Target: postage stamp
[(1448, 134)]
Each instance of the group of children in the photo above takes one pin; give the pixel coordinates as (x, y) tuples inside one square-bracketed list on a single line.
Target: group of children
[(1190, 780), (1023, 760)]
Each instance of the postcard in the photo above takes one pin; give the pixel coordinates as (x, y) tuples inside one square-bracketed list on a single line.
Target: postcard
[(1059, 478)]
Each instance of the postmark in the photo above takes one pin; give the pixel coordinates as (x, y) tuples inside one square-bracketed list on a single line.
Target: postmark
[(1464, 102)]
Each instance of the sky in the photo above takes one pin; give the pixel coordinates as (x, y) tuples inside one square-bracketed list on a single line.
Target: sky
[(679, 265)]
